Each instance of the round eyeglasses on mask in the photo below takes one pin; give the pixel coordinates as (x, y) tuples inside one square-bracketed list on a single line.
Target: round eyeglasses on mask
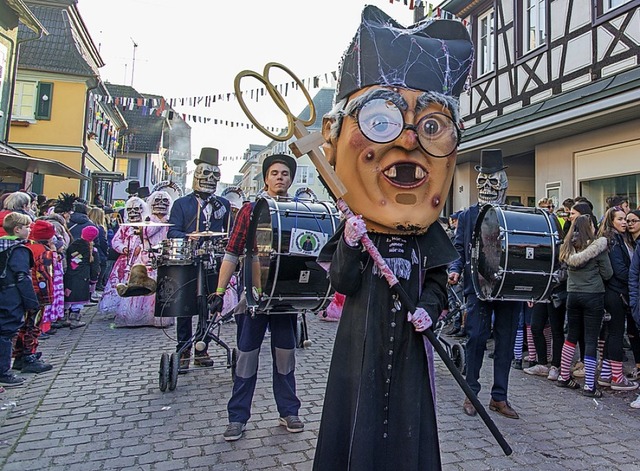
[(381, 121)]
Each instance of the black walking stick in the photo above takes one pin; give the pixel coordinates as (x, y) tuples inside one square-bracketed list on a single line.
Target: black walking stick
[(310, 144)]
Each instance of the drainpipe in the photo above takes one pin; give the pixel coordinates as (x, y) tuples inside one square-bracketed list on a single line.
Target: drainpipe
[(85, 148)]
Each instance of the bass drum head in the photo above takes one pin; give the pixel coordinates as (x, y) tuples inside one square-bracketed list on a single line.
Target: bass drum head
[(514, 254), (286, 237), (176, 291)]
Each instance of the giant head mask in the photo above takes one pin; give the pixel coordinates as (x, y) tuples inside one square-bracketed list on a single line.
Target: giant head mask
[(136, 210), (160, 203), (393, 133), (492, 180), (207, 173)]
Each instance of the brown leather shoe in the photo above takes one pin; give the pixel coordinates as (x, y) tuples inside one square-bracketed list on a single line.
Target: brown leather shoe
[(203, 359), (503, 408), (468, 408)]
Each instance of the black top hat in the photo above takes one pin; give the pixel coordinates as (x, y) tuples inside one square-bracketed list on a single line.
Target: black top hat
[(490, 161), (279, 158), (134, 186), (208, 155), (143, 192), (433, 55)]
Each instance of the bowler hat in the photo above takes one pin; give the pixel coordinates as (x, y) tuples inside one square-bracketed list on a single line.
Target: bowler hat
[(279, 158), (490, 161), (208, 155), (134, 186)]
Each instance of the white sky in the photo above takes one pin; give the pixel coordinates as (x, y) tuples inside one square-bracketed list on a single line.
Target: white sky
[(197, 47)]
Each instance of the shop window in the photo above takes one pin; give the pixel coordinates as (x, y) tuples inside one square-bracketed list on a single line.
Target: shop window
[(597, 191)]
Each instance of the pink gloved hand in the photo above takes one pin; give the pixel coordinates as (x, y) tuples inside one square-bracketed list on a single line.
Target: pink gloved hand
[(354, 229), (420, 319)]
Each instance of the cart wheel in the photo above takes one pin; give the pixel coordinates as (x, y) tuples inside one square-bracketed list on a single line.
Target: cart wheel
[(174, 364), (234, 362), (164, 372), (457, 355)]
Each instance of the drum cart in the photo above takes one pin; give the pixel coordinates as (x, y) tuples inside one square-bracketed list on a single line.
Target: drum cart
[(181, 276), (455, 350)]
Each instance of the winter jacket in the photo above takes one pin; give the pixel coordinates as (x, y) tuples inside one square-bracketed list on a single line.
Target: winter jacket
[(16, 288), (620, 261), (82, 270), (589, 268), (634, 285), (77, 222)]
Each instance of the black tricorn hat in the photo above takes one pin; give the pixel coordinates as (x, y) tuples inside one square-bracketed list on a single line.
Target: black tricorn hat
[(134, 186), (490, 161), (432, 55), (281, 158), (208, 155), (143, 192)]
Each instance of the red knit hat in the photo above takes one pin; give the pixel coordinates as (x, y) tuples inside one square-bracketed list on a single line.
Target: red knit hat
[(42, 230), (89, 233)]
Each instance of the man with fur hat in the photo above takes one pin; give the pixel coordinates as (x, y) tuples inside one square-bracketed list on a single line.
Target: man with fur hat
[(199, 211), (392, 138), (492, 184), (278, 172)]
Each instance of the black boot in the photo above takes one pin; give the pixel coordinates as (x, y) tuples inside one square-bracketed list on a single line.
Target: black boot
[(32, 364)]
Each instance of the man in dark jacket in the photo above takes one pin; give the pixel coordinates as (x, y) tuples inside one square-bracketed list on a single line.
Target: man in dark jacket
[(79, 220), (199, 211), (492, 185)]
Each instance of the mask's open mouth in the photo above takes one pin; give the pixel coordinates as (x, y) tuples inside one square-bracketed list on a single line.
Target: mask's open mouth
[(405, 175)]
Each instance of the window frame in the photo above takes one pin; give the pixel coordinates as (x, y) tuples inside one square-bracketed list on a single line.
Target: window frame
[(490, 56), (600, 16), (130, 175), (524, 40), (18, 98)]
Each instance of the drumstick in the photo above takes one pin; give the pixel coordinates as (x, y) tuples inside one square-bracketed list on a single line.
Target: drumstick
[(309, 144)]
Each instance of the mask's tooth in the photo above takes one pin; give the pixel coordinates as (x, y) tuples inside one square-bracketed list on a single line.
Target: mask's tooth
[(419, 173), (391, 172)]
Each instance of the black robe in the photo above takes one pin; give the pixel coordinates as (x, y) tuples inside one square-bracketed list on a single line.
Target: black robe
[(379, 410)]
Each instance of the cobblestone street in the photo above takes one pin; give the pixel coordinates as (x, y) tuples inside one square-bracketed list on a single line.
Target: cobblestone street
[(101, 408)]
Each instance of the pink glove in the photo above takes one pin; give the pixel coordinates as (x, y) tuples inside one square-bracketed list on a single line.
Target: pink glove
[(354, 229), (420, 319)]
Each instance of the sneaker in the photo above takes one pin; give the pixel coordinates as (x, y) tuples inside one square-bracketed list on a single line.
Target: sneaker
[(234, 431), (624, 384), (516, 364), (35, 365), (11, 381), (18, 363), (293, 423), (604, 382), (537, 370), (634, 373), (636, 404), (595, 392), (553, 374), (567, 383)]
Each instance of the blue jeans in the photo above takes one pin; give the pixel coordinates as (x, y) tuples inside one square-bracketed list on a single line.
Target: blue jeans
[(479, 329)]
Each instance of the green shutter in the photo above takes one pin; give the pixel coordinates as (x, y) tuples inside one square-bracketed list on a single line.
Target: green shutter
[(44, 100)]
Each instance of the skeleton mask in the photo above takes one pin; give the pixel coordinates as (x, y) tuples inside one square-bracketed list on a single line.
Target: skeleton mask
[(136, 209), (206, 178), (492, 187), (160, 202)]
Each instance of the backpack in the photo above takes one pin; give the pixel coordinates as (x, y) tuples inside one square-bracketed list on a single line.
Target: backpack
[(42, 273)]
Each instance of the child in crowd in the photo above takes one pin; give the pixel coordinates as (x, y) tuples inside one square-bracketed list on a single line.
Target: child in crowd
[(26, 343), (16, 289), (83, 267)]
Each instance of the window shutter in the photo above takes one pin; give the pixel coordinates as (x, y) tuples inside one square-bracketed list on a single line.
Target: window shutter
[(44, 100)]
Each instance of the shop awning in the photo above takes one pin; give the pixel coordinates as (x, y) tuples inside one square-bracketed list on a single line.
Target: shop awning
[(11, 158)]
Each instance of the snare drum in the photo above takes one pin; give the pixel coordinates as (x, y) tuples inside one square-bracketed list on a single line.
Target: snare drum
[(286, 237), (514, 254), (177, 252)]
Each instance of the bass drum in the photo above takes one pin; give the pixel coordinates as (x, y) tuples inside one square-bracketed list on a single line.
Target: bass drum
[(176, 291), (286, 237), (514, 254)]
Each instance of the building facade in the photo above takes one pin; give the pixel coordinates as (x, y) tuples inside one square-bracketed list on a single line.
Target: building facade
[(556, 86)]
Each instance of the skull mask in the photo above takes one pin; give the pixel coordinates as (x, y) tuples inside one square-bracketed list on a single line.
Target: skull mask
[(492, 187), (160, 202), (136, 209), (206, 178)]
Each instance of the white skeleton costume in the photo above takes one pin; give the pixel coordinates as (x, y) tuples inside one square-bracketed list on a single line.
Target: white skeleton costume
[(133, 245)]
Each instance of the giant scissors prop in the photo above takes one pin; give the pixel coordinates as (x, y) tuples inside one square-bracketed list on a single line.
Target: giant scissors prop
[(310, 145)]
